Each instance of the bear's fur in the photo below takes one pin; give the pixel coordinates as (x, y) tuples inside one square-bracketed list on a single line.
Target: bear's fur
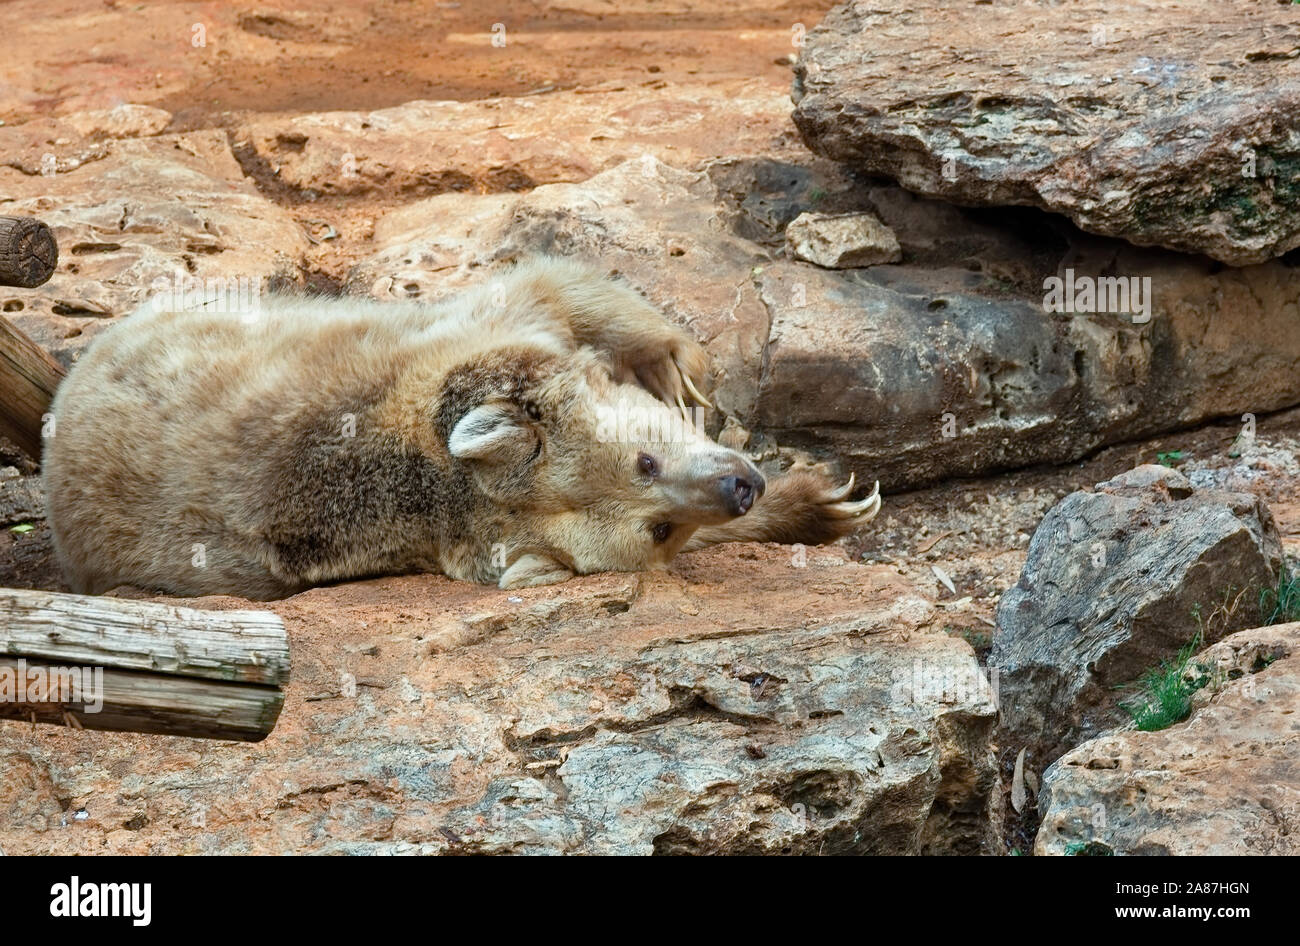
[(485, 438)]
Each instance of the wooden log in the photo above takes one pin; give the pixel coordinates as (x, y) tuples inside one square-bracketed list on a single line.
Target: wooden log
[(28, 379), (115, 664), (154, 703), (28, 252)]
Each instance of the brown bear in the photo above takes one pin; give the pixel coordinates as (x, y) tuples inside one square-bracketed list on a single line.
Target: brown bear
[(519, 433)]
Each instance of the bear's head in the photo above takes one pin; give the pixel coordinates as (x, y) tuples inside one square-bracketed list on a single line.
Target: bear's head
[(597, 475)]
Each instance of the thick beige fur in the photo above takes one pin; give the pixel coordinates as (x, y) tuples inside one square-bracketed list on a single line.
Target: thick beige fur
[(201, 452)]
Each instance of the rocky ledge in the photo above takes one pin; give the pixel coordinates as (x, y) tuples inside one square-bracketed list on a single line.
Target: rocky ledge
[(808, 707), (1165, 125)]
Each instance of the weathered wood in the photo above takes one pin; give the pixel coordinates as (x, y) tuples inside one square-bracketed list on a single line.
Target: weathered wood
[(244, 646), (28, 378), (157, 668), (130, 701), (28, 252)]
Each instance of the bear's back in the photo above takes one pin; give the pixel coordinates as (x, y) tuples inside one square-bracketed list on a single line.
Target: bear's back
[(166, 428)]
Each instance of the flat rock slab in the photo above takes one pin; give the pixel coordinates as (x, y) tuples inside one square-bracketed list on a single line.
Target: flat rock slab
[(1176, 126), (1226, 781), (796, 710), (134, 215), (421, 148)]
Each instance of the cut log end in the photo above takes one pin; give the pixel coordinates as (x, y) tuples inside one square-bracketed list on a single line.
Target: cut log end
[(28, 252)]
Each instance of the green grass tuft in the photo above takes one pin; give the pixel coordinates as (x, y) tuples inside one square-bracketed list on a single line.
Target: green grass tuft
[(1281, 605), (1088, 849), (1168, 691)]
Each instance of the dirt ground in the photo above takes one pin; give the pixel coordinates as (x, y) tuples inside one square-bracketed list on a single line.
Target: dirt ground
[(203, 61)]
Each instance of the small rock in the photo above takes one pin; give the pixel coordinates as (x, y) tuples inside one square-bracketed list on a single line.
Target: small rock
[(124, 121), (842, 241)]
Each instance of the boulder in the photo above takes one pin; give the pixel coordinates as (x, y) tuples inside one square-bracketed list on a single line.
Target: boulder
[(136, 215), (1117, 581), (1225, 781), (49, 146), (953, 362), (803, 710), (1185, 138)]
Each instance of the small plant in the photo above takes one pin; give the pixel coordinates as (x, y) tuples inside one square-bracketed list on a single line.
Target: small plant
[(978, 638), (1168, 458), (1088, 849), (1168, 690), (22, 528), (1281, 605), (1262, 662)]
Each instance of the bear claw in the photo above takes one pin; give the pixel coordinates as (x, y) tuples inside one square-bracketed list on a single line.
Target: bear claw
[(864, 509)]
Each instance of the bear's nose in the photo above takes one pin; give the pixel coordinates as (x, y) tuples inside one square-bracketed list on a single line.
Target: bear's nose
[(739, 492)]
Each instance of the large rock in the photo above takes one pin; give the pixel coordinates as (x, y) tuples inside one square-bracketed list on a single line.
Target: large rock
[(1185, 138), (1226, 781), (803, 710), (946, 364), (1117, 581), (658, 225), (129, 212), (512, 144)]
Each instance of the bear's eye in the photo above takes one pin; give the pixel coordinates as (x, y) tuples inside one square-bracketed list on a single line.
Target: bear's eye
[(532, 410), (647, 464), (661, 532)]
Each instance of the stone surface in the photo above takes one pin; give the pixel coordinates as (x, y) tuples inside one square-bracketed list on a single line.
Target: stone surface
[(945, 364), (1225, 781), (122, 121), (1113, 584), (21, 499), (26, 553), (842, 241), (799, 710), (49, 146), (1172, 129), (422, 148), (133, 211)]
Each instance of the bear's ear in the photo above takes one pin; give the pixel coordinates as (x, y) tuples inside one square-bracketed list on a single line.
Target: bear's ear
[(493, 433)]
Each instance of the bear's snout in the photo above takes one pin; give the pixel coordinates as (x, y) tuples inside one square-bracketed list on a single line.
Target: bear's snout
[(739, 492)]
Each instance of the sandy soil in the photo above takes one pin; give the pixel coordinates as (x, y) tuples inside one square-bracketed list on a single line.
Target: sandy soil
[(202, 61)]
